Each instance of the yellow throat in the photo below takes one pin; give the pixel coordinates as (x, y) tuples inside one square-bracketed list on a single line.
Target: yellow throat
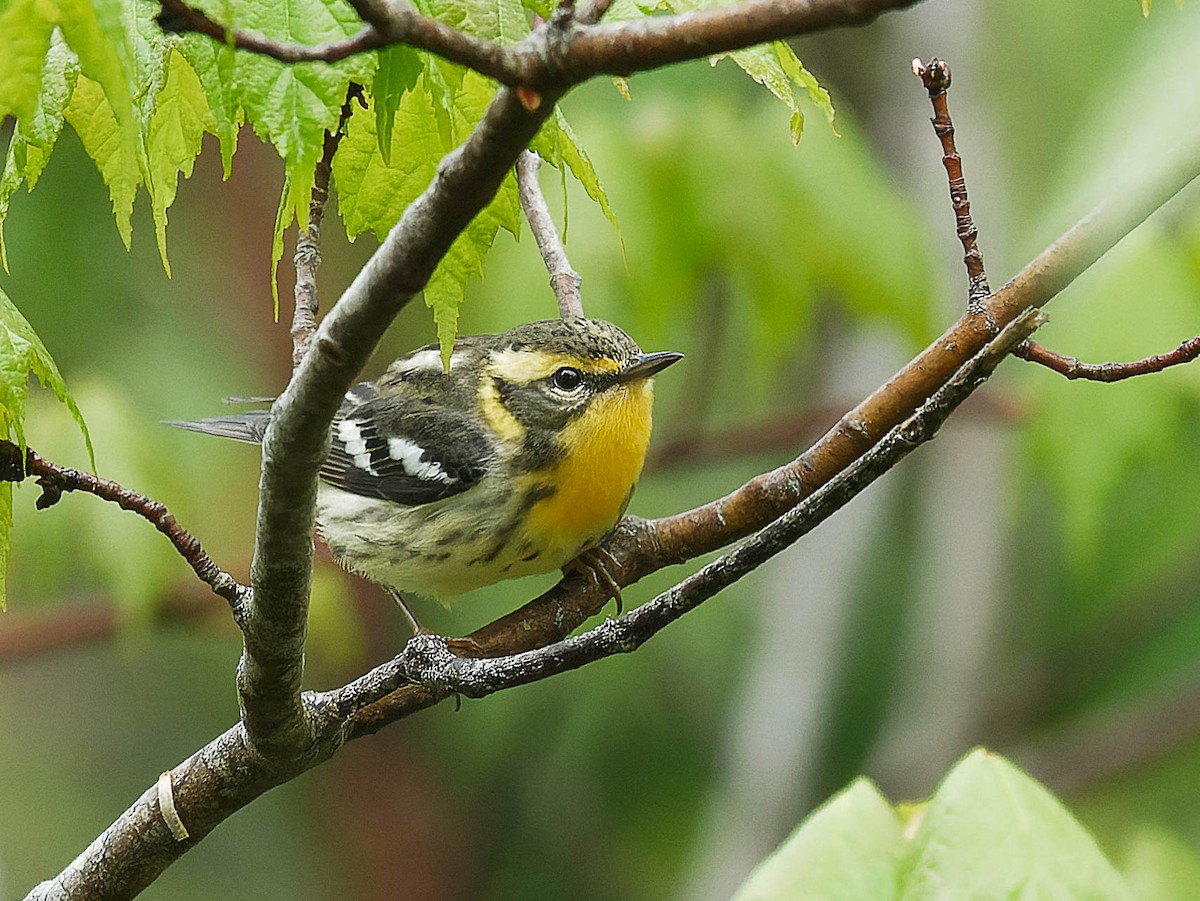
[(605, 449)]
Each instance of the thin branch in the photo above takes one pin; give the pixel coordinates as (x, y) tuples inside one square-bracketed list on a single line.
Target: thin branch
[(622, 48), (180, 18), (564, 280), (936, 78), (308, 243), (1072, 368), (55, 480), (586, 49), (388, 24)]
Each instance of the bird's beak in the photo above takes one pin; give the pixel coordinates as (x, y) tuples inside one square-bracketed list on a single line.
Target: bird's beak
[(647, 365)]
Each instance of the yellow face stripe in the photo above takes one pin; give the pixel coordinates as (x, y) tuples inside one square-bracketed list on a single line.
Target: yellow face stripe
[(499, 419), (522, 367)]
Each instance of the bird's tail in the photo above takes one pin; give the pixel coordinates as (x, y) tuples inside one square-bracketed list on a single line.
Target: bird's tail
[(249, 426)]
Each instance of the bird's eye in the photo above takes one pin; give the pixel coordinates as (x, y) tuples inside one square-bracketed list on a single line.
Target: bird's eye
[(567, 379)]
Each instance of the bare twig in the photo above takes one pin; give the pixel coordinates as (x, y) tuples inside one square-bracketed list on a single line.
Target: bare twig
[(393, 24), (564, 280), (617, 48), (55, 480), (1072, 368), (180, 18), (936, 78), (308, 243)]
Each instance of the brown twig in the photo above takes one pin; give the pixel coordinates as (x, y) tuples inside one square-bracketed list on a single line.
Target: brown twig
[(1071, 368), (936, 78), (54, 480), (180, 18), (387, 24), (308, 243), (564, 280), (616, 48)]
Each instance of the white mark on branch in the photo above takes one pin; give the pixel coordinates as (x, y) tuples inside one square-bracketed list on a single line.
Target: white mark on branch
[(166, 804)]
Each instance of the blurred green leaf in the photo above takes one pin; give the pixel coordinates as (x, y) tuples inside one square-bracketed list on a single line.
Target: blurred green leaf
[(213, 64), (776, 67), (399, 69), (788, 239), (990, 831), (180, 119), (556, 143), (24, 40), (852, 848), (503, 21), (21, 354), (106, 142)]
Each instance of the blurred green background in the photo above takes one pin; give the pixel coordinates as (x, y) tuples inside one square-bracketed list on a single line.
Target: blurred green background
[(1029, 581)]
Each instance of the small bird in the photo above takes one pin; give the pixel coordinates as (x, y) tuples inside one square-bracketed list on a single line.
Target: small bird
[(515, 461)]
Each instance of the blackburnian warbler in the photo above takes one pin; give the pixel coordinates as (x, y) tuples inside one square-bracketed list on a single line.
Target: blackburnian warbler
[(516, 461)]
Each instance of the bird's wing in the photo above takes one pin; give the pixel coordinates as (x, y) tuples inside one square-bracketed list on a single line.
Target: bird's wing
[(405, 450)]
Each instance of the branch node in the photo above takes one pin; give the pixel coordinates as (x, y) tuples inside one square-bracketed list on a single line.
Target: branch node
[(52, 492), (935, 76)]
